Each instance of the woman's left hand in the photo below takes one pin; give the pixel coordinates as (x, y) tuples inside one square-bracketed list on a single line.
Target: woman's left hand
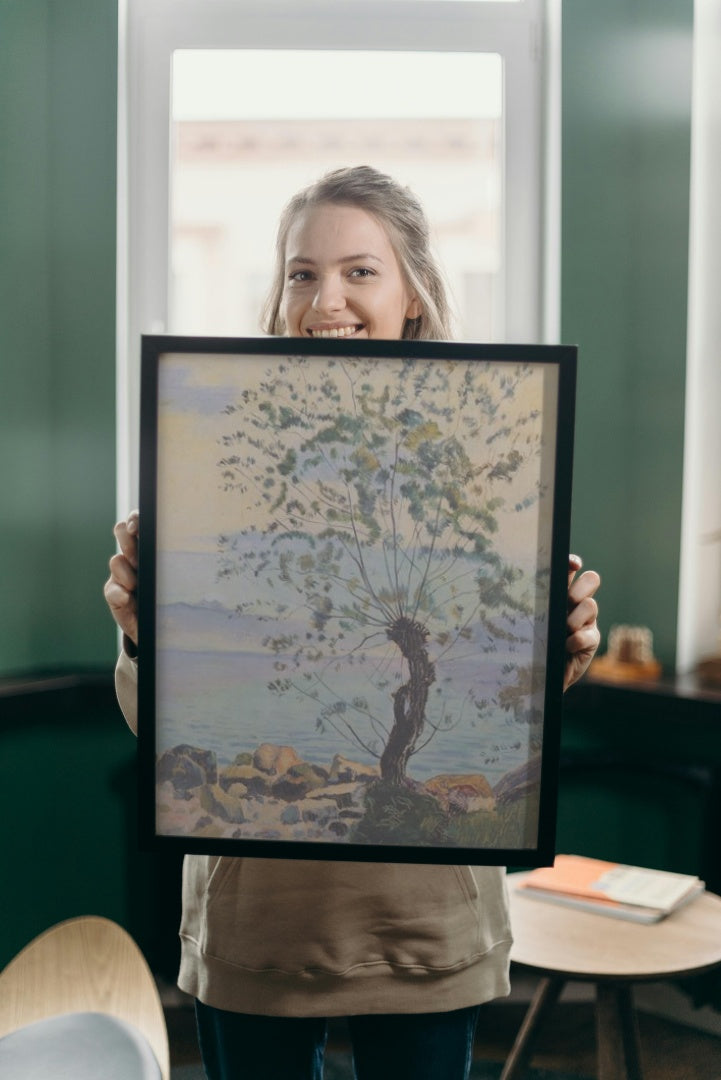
[(583, 635)]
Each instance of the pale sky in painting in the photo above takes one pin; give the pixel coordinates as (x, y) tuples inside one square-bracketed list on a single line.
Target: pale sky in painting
[(193, 509)]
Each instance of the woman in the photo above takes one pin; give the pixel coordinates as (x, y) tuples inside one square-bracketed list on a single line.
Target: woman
[(271, 948)]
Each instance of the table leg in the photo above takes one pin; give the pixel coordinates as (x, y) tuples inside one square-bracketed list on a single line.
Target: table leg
[(617, 1033), (545, 997)]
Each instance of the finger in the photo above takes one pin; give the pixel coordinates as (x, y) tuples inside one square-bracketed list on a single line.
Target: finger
[(123, 608), (123, 573), (575, 562), (576, 666), (583, 614), (583, 641), (119, 599), (585, 585), (126, 534)]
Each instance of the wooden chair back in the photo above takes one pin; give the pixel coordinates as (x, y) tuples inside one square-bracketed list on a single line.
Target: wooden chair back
[(87, 964)]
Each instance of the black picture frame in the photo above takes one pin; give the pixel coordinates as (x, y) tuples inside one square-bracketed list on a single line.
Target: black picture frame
[(353, 568)]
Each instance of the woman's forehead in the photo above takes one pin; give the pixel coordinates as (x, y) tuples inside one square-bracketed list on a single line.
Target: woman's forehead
[(327, 229)]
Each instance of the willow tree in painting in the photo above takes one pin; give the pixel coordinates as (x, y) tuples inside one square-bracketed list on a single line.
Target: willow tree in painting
[(370, 494)]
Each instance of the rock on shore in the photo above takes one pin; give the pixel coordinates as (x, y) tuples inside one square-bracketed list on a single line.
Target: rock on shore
[(271, 793)]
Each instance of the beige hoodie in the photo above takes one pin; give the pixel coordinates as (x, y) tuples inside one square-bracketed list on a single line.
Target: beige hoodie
[(284, 937)]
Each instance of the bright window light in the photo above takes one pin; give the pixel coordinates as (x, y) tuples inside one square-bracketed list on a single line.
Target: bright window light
[(251, 127), (258, 84)]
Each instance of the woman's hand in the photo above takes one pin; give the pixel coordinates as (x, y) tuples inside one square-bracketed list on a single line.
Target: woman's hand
[(583, 635), (121, 587)]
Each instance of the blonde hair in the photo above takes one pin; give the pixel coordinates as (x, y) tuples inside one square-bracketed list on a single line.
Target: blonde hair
[(403, 217)]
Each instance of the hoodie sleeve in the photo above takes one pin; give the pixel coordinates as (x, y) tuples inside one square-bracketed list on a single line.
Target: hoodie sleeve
[(126, 688)]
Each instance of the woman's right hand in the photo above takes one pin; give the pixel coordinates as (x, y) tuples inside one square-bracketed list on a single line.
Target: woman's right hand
[(121, 587)]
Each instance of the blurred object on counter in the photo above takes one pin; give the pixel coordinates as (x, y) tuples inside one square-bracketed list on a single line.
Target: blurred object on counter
[(629, 656)]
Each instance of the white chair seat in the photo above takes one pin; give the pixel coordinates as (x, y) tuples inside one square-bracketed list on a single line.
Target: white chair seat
[(78, 1046)]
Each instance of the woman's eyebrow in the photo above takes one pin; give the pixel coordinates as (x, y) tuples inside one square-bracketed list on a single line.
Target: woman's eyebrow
[(361, 257)]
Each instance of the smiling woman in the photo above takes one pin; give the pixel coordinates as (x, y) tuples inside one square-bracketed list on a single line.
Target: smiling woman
[(396, 524)]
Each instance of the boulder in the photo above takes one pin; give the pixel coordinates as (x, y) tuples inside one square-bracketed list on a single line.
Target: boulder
[(275, 760), (203, 823), (344, 771), (217, 802), (238, 791), (255, 781), (343, 795), (310, 769), (291, 815), (298, 781), (465, 794), (187, 767), (519, 782), (319, 811)]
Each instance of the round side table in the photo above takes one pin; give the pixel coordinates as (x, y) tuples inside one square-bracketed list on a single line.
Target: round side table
[(563, 944)]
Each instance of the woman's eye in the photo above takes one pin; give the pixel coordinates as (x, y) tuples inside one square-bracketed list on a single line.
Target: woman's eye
[(362, 272), (300, 276)]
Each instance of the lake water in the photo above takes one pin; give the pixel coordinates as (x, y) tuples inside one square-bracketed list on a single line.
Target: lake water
[(220, 701)]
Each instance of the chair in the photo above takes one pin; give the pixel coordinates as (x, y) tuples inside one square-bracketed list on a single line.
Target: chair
[(79, 1002)]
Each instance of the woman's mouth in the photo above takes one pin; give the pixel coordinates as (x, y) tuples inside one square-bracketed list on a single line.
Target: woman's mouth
[(335, 331)]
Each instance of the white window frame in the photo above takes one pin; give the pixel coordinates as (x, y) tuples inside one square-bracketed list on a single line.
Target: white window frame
[(526, 34), (699, 598)]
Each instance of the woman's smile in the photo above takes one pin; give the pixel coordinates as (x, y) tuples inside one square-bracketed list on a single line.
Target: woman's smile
[(335, 331)]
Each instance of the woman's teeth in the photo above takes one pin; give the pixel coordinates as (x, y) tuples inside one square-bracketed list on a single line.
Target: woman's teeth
[(337, 331)]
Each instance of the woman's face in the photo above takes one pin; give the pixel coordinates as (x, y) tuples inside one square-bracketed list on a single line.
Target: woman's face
[(342, 277)]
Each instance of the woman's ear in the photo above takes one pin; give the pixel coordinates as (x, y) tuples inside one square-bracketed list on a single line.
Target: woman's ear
[(415, 309)]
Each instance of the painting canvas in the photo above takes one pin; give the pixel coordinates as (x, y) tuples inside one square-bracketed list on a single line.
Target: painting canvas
[(353, 572)]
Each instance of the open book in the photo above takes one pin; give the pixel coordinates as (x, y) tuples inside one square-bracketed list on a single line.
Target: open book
[(608, 888)]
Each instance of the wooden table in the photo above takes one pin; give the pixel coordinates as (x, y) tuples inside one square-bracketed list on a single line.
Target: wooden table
[(563, 944)]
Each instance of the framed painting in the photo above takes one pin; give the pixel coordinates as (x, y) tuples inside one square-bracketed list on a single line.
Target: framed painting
[(352, 597)]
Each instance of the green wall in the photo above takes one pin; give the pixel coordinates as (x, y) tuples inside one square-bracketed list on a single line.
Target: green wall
[(68, 774), (58, 71), (625, 200)]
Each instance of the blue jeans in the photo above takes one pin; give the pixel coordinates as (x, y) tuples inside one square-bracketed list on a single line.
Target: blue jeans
[(414, 1046)]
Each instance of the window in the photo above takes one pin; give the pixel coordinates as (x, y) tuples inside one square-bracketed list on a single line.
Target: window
[(227, 107)]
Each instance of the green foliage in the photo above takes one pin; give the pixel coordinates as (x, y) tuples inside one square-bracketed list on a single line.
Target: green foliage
[(395, 815), (500, 828), (370, 496), (405, 816)]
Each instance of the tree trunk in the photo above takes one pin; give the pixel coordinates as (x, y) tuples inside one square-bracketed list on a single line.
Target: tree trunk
[(409, 700)]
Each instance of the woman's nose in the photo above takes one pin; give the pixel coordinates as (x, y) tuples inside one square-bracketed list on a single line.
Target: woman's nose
[(329, 296)]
